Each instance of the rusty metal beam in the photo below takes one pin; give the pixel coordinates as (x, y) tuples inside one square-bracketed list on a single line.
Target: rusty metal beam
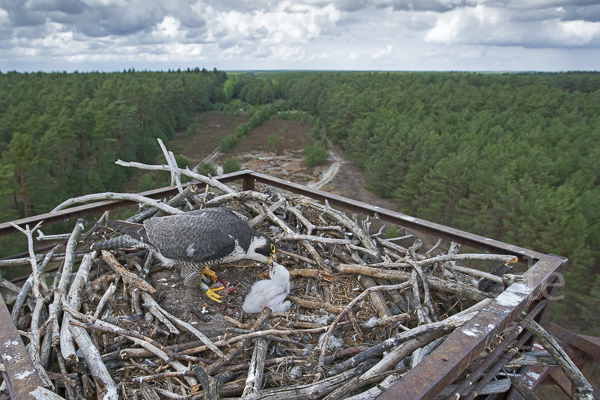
[(581, 342), (446, 363), (248, 177), (496, 353), (22, 375), (101, 206), (83, 210), (417, 224)]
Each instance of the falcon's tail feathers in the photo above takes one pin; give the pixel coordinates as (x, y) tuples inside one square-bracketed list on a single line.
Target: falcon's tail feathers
[(119, 242)]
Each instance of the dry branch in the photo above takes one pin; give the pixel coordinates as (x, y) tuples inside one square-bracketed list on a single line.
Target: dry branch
[(127, 276), (434, 282), (117, 196)]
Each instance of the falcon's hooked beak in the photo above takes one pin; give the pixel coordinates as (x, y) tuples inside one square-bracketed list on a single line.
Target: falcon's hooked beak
[(272, 256)]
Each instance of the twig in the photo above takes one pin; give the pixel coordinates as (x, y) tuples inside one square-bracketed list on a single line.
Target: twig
[(128, 277), (522, 388), (29, 283), (315, 305), (107, 388), (117, 196), (318, 239), (150, 301), (140, 342), (582, 390), (257, 366), (107, 295), (342, 314), (446, 325), (34, 343), (436, 283), (175, 174), (74, 300)]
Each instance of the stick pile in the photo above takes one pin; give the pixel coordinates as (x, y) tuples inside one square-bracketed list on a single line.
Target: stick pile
[(365, 309)]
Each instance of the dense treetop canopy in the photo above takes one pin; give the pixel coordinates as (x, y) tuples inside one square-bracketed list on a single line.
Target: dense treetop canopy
[(513, 157)]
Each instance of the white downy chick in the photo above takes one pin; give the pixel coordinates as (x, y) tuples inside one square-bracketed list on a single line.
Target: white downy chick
[(270, 292)]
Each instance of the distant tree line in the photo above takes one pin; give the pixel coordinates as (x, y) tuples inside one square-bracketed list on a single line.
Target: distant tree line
[(61, 133), (513, 157)]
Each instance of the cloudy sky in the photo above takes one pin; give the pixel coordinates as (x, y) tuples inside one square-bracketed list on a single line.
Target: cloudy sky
[(474, 35)]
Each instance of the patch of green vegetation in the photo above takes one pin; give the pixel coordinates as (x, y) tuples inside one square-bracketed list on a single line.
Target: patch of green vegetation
[(146, 183), (205, 168), (392, 232), (272, 141), (230, 165), (227, 143), (317, 153)]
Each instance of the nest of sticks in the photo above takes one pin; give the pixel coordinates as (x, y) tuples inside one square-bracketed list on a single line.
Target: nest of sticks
[(126, 327), (365, 309)]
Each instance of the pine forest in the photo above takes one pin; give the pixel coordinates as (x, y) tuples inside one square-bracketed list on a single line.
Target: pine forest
[(513, 157)]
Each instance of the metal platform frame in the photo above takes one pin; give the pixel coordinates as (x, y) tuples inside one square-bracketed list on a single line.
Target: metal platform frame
[(426, 380)]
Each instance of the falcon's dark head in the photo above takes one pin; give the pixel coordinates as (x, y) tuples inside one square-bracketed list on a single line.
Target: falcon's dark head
[(262, 249)]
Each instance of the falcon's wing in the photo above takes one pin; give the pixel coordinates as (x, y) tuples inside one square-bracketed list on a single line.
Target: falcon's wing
[(189, 239), (136, 231)]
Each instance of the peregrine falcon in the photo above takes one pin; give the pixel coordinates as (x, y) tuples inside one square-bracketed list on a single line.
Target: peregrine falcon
[(195, 239)]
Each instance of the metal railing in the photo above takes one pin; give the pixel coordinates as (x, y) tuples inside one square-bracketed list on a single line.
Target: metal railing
[(440, 368)]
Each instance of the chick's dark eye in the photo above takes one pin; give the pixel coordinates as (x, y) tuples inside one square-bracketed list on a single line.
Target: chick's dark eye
[(272, 248)]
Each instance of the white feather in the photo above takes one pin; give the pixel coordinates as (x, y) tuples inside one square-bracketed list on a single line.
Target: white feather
[(270, 292)]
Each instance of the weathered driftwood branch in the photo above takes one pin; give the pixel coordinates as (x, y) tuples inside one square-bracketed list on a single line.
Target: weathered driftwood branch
[(184, 325), (204, 179), (374, 392), (39, 258), (26, 288), (128, 277), (499, 386), (532, 360), (117, 196), (342, 314), (522, 388), (375, 322), (298, 214), (240, 196), (582, 390), (157, 311), (377, 298), (478, 274), (318, 239), (173, 167), (34, 342), (65, 280), (253, 335), (106, 387), (395, 247), (62, 236), (364, 238), (140, 342), (175, 201), (263, 215), (312, 390), (355, 384), (256, 370), (434, 282), (105, 297), (315, 305), (74, 300), (446, 326)]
